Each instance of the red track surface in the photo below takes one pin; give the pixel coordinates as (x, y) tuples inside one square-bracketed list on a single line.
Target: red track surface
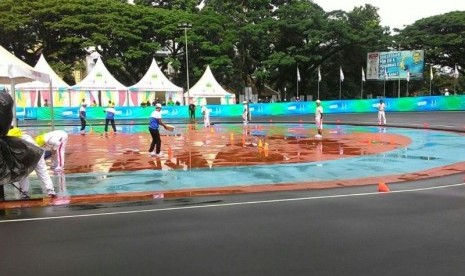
[(217, 148)]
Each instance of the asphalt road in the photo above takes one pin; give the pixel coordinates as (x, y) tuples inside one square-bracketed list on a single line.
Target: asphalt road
[(354, 231), (416, 229)]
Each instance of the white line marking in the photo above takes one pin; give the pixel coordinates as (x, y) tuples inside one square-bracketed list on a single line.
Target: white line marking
[(231, 204)]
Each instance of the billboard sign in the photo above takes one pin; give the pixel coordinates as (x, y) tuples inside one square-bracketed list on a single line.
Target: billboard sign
[(395, 65)]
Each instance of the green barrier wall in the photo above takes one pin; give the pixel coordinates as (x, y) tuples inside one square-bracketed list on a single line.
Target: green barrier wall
[(433, 103)]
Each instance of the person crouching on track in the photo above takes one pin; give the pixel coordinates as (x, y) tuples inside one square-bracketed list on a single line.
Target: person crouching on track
[(40, 169), (56, 142)]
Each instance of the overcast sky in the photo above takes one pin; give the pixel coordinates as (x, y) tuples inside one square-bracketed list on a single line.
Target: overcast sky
[(397, 13)]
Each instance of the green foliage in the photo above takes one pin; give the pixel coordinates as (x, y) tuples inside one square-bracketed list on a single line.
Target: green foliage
[(258, 43), (443, 39)]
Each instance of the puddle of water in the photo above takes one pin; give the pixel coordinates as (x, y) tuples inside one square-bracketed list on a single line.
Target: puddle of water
[(231, 155)]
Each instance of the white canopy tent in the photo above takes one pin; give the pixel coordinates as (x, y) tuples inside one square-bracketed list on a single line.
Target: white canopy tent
[(153, 83), (208, 91), (14, 71), (31, 91), (99, 86)]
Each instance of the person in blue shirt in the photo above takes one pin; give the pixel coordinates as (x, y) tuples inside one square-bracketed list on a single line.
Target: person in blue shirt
[(154, 125), (413, 64), (110, 117)]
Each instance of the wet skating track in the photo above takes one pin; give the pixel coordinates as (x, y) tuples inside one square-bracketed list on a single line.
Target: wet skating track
[(233, 158)]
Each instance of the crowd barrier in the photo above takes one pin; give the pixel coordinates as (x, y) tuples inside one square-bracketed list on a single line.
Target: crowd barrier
[(409, 104)]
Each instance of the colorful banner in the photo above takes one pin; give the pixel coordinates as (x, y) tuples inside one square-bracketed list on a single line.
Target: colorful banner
[(408, 104), (395, 65)]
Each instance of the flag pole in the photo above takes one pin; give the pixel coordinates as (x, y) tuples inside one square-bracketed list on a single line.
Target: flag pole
[(398, 88), (340, 82), (361, 84), (430, 79), (406, 93), (340, 87), (297, 81), (384, 88), (430, 85), (297, 89), (361, 90), (384, 79), (318, 95), (408, 80), (319, 79)]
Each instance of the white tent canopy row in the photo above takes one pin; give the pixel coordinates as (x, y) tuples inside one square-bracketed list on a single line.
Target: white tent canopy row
[(30, 93), (152, 82), (208, 91), (14, 71), (100, 86)]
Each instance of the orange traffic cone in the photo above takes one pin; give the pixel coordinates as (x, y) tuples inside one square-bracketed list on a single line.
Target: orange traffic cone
[(383, 188)]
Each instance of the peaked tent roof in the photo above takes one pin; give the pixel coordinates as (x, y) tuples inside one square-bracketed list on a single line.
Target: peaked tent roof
[(207, 86), (99, 78), (12, 68), (43, 66), (155, 80)]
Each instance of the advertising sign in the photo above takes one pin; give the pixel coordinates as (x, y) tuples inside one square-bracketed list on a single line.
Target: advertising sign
[(395, 65)]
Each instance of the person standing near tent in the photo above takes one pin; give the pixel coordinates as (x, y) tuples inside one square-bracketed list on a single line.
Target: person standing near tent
[(110, 117), (206, 116), (381, 113), (56, 142), (82, 116), (319, 119), (154, 125), (40, 169), (192, 111)]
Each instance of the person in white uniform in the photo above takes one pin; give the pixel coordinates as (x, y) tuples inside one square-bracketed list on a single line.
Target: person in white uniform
[(56, 142), (245, 113), (319, 119), (40, 169), (381, 113), (206, 116)]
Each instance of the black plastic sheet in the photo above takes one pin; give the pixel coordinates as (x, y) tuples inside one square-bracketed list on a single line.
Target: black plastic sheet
[(18, 158), (6, 113)]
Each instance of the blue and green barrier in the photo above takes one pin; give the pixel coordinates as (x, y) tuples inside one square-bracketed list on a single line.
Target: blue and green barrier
[(409, 104)]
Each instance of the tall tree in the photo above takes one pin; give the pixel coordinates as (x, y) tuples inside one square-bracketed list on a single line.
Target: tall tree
[(442, 37)]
